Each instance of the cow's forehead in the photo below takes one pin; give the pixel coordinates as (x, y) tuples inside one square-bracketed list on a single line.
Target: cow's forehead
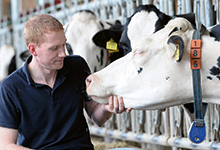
[(141, 24)]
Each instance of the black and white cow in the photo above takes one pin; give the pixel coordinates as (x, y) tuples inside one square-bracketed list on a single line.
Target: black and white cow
[(79, 32), (7, 61), (152, 76)]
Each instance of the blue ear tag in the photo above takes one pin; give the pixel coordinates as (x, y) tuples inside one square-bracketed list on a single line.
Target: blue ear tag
[(197, 134)]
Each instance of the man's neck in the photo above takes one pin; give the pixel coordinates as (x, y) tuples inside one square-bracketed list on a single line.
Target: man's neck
[(42, 75)]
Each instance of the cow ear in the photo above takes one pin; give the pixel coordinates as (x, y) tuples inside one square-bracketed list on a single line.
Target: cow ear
[(177, 40), (102, 37)]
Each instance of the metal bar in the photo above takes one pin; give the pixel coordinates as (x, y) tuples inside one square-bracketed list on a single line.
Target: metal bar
[(218, 11), (154, 139), (208, 13), (188, 6)]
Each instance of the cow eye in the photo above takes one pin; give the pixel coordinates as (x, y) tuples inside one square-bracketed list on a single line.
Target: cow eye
[(138, 52)]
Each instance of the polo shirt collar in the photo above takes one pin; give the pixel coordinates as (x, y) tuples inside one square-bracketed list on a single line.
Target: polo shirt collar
[(60, 75)]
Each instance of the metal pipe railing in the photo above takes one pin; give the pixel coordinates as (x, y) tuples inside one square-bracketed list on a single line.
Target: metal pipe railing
[(167, 128)]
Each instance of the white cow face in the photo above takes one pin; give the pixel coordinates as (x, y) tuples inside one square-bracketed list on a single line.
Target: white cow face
[(149, 77)]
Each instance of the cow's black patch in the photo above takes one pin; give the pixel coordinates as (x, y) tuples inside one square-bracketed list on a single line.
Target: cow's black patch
[(85, 10), (97, 57), (95, 69), (100, 58), (140, 70), (101, 24), (69, 49), (174, 30), (208, 77), (215, 71), (215, 32), (218, 62), (12, 65)]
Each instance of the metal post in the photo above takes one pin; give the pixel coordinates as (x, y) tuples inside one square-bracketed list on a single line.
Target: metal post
[(171, 8), (179, 7), (14, 19), (217, 11), (14, 11), (188, 6), (209, 13)]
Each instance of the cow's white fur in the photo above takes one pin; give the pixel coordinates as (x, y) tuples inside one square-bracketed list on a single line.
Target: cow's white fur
[(6, 54), (80, 30), (142, 23), (163, 81)]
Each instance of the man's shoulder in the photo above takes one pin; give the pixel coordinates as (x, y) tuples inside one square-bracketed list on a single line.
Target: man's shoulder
[(13, 78), (74, 60)]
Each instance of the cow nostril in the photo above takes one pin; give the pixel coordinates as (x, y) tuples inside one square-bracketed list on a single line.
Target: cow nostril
[(88, 81)]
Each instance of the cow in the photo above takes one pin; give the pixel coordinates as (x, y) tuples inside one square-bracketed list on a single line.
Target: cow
[(7, 60), (155, 76), (79, 31)]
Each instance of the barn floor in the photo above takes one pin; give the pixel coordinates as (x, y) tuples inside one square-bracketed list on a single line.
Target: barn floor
[(99, 144)]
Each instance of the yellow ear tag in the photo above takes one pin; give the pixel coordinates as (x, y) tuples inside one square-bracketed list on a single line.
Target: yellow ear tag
[(112, 46), (177, 53)]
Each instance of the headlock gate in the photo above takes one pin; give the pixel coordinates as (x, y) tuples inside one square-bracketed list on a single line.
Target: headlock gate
[(156, 129)]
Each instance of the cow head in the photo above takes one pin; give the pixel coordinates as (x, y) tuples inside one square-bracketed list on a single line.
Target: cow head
[(156, 74)]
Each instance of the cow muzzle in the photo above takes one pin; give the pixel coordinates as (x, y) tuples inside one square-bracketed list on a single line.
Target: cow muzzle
[(95, 89)]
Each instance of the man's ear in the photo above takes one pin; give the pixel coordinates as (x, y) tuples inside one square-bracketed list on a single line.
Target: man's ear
[(177, 40), (32, 49)]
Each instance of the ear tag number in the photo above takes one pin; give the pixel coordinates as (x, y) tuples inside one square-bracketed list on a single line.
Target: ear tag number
[(112, 46), (177, 53)]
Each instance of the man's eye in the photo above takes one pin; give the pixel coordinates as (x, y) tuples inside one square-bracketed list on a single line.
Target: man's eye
[(55, 48)]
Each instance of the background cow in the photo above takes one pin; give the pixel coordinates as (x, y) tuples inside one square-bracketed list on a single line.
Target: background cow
[(79, 32), (152, 76), (7, 61)]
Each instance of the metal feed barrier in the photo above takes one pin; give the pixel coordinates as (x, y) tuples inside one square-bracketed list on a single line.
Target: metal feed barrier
[(156, 129)]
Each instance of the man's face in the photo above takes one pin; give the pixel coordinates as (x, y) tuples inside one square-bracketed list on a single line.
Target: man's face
[(51, 53)]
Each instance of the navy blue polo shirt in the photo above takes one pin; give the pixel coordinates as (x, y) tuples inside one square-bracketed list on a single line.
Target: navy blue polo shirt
[(49, 119)]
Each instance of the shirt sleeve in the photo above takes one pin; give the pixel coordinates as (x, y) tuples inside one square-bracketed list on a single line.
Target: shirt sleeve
[(9, 117)]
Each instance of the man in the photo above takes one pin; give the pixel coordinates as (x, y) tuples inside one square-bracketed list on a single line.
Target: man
[(41, 104)]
